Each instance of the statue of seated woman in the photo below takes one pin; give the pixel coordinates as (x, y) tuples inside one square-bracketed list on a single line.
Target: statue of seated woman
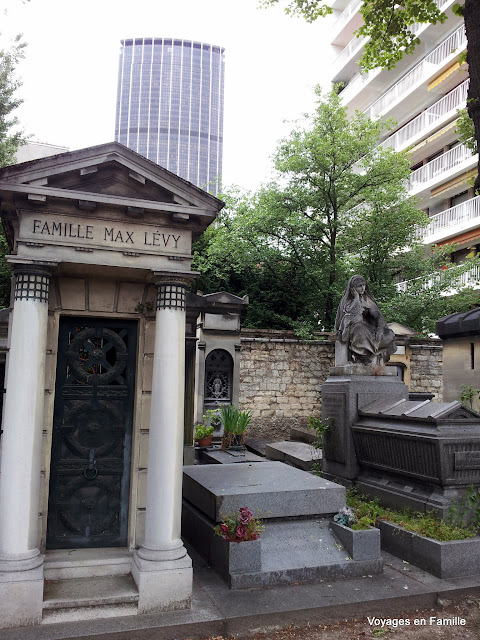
[(360, 326)]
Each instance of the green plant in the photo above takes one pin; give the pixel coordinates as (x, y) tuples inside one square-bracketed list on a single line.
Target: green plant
[(144, 308), (468, 395), (367, 512), (466, 512), (228, 416), (203, 431), (320, 426), (234, 424), (244, 419)]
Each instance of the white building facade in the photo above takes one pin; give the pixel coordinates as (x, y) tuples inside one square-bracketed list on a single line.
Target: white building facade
[(422, 94)]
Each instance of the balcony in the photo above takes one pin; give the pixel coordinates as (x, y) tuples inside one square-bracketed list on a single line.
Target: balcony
[(469, 278), (429, 120), (445, 167), (359, 90), (432, 64), (347, 22), (347, 61), (451, 222)]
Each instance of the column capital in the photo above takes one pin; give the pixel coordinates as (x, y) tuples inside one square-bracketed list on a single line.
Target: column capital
[(31, 282), (174, 277), (171, 289)]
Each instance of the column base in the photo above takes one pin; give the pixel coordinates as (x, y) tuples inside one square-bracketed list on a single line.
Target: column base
[(163, 585), (21, 595)]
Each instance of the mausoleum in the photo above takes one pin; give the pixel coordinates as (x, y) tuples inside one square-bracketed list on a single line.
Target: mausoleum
[(92, 446)]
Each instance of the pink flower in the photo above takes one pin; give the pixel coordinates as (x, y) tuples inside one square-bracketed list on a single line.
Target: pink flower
[(245, 515), (224, 528), (241, 531)]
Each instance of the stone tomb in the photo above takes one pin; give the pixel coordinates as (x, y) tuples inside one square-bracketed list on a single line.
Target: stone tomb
[(93, 421), (297, 545), (419, 454)]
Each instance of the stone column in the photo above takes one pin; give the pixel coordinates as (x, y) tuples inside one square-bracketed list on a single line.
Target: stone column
[(161, 567), (21, 563)]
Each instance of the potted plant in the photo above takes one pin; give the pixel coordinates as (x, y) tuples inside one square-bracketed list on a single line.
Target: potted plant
[(231, 556), (203, 435), (234, 424)]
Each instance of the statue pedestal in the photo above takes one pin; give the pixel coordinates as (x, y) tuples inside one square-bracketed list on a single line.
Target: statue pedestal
[(349, 388)]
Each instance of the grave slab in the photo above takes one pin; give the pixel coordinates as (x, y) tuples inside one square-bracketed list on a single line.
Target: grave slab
[(216, 456), (298, 454), (271, 490)]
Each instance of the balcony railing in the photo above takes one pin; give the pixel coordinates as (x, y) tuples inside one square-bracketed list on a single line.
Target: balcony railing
[(443, 163), (456, 99), (467, 278), (343, 18), (455, 42), (462, 214), (348, 51)]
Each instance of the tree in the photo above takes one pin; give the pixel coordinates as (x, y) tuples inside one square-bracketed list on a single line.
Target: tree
[(10, 136), (10, 139), (389, 27), (339, 204)]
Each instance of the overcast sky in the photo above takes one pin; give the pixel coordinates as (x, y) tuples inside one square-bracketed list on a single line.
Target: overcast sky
[(272, 64)]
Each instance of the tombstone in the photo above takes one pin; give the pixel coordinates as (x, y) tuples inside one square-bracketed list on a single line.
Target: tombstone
[(217, 378), (360, 376), (93, 420)]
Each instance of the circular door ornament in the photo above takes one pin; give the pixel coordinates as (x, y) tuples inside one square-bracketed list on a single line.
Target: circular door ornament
[(97, 356)]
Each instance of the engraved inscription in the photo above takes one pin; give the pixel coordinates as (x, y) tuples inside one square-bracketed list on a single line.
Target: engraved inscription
[(62, 229), (467, 460), (333, 407)]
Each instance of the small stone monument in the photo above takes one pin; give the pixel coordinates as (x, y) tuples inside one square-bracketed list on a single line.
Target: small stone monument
[(364, 343)]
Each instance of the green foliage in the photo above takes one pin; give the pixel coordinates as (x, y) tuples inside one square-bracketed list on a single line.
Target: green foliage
[(468, 395), (367, 512), (10, 139), (434, 290), (466, 512), (308, 9), (228, 416), (294, 243), (387, 24), (465, 130), (234, 421), (319, 425), (202, 431), (389, 27)]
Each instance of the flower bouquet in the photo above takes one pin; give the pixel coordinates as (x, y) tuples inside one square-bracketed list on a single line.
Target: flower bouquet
[(240, 527)]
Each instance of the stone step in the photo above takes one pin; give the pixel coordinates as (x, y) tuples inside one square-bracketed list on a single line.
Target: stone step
[(61, 564), (87, 598), (302, 434), (297, 454)]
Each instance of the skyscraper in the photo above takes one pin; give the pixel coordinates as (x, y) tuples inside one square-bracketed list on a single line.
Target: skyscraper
[(170, 106)]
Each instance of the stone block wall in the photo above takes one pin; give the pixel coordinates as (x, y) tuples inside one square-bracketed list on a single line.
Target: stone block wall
[(281, 377), (426, 368), (280, 380)]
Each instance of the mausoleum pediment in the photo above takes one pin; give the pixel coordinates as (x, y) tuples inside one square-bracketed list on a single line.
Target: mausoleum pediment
[(109, 169), (103, 205)]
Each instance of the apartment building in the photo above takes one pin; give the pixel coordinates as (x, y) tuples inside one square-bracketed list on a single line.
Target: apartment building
[(422, 94)]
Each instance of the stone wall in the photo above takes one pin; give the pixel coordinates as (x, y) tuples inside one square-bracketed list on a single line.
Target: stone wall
[(281, 377), (426, 370)]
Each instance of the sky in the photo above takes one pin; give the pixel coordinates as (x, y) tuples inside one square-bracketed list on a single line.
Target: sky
[(69, 75)]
